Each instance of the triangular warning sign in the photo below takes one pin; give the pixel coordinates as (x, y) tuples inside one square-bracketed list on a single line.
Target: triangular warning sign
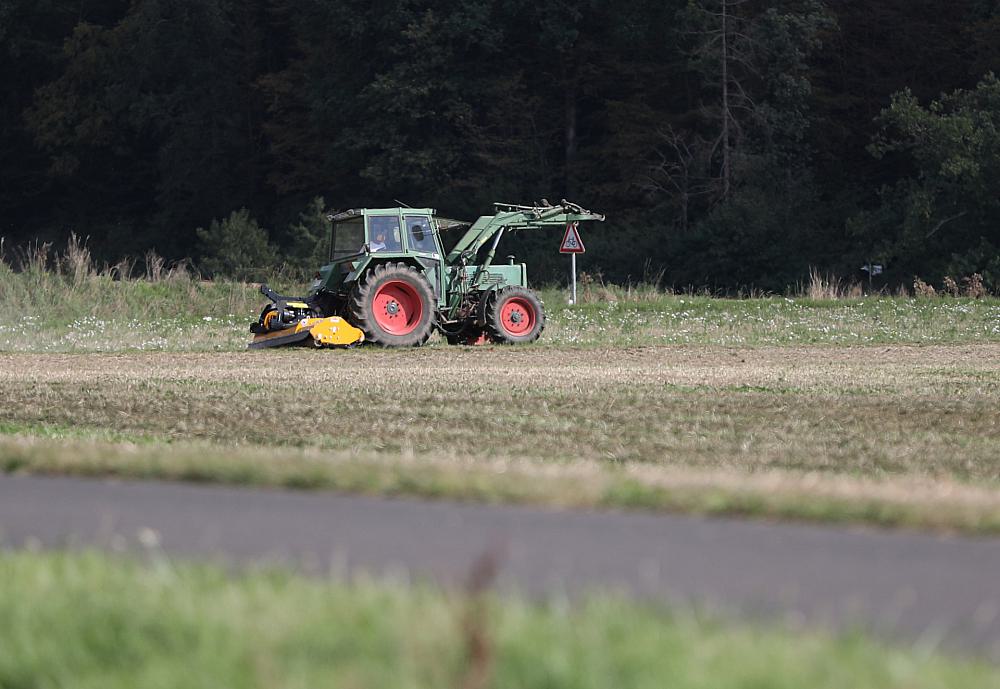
[(571, 243)]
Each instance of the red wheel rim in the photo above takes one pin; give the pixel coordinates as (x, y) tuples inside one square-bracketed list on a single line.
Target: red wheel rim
[(517, 316), (397, 307)]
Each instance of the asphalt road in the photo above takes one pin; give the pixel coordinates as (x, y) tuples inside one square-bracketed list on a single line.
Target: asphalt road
[(922, 589)]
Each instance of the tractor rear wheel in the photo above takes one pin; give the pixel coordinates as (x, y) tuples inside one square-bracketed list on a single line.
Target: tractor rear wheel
[(515, 315), (394, 305)]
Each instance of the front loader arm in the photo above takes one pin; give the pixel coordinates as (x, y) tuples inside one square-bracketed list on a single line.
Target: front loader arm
[(512, 218)]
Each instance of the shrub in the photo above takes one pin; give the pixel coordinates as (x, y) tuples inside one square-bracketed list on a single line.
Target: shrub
[(950, 286), (922, 289), (972, 286), (309, 238), (236, 248)]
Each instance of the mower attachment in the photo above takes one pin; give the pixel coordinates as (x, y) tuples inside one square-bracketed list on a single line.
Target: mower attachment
[(289, 321), (332, 331)]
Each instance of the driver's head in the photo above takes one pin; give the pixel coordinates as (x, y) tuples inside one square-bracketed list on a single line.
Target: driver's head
[(380, 236)]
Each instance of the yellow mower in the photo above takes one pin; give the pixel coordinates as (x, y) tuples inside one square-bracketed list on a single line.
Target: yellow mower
[(285, 322)]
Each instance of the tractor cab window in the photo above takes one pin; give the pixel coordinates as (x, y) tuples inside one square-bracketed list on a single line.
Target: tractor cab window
[(383, 233), (348, 238), (418, 228)]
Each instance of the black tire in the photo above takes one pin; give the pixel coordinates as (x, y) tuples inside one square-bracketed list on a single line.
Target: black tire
[(515, 315), (393, 284)]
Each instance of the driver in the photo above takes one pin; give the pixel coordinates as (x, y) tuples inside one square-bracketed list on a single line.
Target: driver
[(379, 243)]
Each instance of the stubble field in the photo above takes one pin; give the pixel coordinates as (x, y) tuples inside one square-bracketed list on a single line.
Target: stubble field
[(889, 434), (877, 410)]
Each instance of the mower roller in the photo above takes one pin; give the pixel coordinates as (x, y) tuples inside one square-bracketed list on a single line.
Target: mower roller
[(389, 282)]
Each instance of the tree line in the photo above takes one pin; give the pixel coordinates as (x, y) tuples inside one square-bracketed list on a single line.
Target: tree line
[(732, 143)]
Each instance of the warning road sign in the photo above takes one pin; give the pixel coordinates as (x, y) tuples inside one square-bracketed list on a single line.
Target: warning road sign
[(571, 243)]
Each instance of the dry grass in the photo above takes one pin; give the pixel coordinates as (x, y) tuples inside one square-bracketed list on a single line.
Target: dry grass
[(62, 301), (884, 434), (929, 503), (829, 286)]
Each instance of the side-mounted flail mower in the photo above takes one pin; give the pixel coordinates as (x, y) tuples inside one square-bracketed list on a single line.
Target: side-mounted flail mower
[(389, 281)]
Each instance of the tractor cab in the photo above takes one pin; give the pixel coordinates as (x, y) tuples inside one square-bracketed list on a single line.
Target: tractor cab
[(408, 231), (360, 237), (358, 232)]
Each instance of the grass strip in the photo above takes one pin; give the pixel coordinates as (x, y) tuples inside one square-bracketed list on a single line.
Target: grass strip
[(78, 309), (940, 505), (94, 621)]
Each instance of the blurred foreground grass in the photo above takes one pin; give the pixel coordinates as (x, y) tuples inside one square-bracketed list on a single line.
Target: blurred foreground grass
[(93, 621)]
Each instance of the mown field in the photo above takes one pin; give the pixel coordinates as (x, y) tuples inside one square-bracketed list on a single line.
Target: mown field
[(879, 410), (90, 621), (888, 434)]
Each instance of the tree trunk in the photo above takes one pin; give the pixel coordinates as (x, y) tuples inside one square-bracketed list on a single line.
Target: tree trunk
[(725, 101)]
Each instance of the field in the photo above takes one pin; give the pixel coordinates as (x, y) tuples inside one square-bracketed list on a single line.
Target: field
[(63, 304), (85, 620), (878, 410), (888, 434)]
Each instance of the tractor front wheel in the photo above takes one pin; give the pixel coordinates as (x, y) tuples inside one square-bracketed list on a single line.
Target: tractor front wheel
[(394, 305), (515, 315)]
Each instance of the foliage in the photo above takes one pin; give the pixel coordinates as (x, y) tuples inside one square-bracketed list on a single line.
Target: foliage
[(945, 218), (146, 117), (309, 238), (236, 248), (758, 206), (724, 156)]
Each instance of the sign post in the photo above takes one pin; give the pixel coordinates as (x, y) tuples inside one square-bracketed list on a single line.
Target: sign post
[(572, 245), (572, 272), (871, 269)]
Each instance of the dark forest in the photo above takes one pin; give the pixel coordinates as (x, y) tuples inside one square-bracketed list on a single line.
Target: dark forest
[(733, 144)]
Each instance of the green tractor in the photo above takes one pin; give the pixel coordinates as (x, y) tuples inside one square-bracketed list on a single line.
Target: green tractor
[(390, 282)]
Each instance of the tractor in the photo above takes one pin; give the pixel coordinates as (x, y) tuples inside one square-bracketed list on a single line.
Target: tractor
[(389, 282)]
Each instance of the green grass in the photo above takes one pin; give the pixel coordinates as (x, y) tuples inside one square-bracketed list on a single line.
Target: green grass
[(81, 310), (85, 620), (43, 311), (684, 319)]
